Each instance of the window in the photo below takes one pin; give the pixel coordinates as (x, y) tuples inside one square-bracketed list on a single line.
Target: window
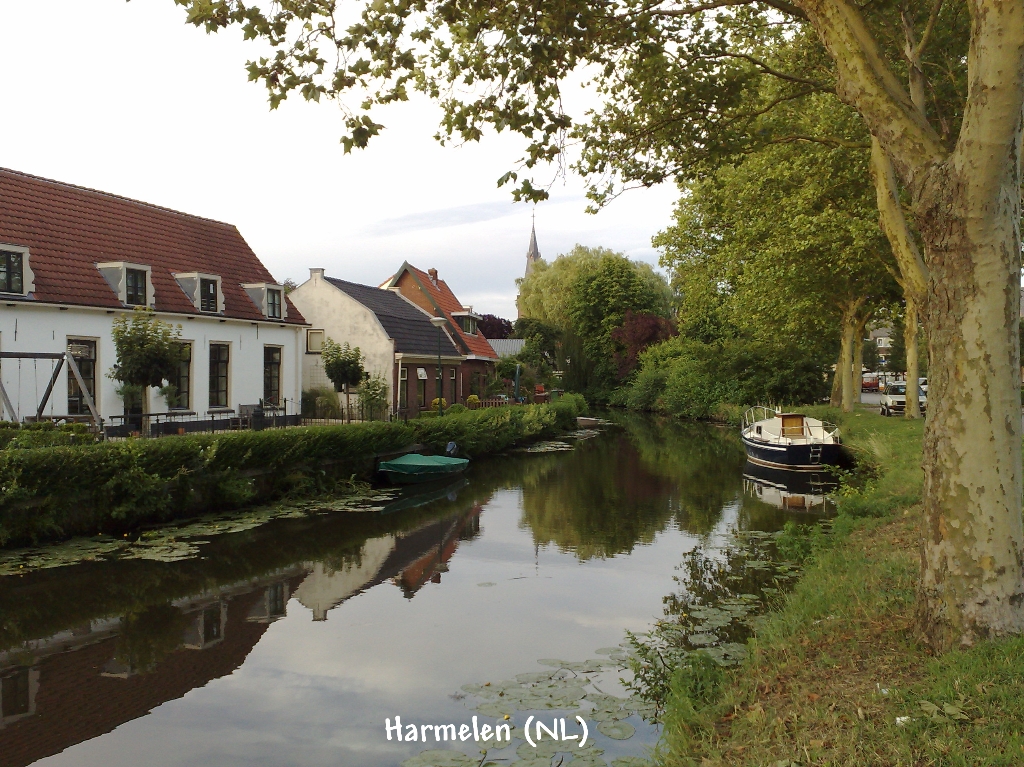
[(274, 304), (207, 295), (15, 699), (314, 341), (11, 272), (219, 375), (183, 380), (277, 601), (438, 383), (421, 387), (272, 375), (135, 287), (468, 324), (212, 629), (84, 353), (454, 398), (403, 387)]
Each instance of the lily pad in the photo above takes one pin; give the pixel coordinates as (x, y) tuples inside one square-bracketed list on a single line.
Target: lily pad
[(616, 730), (630, 761), (437, 758), (496, 708)]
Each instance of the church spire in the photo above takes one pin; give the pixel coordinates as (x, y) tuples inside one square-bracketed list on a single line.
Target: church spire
[(533, 253)]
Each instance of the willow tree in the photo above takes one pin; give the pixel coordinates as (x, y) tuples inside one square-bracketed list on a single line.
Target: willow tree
[(680, 81)]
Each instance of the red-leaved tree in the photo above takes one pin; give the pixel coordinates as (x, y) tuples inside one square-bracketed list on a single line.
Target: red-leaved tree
[(639, 330)]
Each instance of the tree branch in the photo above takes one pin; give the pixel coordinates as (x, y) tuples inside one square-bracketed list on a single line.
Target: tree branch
[(890, 215), (775, 73), (866, 82), (779, 5)]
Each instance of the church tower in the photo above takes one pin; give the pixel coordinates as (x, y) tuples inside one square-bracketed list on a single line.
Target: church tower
[(533, 253)]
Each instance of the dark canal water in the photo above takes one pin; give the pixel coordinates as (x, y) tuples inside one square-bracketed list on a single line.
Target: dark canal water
[(292, 643)]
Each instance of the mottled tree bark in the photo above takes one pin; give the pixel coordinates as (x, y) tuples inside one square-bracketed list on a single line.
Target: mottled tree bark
[(910, 333), (966, 204)]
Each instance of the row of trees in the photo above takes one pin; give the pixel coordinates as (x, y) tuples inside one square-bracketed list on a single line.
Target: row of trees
[(935, 93)]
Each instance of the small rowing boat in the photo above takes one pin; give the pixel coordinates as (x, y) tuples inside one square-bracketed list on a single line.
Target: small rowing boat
[(415, 467)]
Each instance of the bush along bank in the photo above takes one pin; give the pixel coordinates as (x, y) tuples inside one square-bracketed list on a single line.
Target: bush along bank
[(834, 675), (57, 492)]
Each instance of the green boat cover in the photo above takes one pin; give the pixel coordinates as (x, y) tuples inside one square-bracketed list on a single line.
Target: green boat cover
[(414, 464)]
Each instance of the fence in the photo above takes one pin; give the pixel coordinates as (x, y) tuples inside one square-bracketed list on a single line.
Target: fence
[(248, 417)]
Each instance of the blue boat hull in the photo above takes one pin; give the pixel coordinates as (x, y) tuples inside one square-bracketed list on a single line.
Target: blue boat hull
[(791, 457)]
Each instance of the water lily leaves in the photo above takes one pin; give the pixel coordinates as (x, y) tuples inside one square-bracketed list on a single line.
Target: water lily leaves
[(553, 662), (608, 651), (630, 761), (616, 730), (437, 758), (496, 708), (545, 748), (535, 762), (701, 640), (487, 584), (534, 676), (588, 761)]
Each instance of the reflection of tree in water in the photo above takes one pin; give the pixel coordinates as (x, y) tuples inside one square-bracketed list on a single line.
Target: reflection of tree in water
[(597, 501), (704, 462), (613, 493), (148, 635), (714, 611)]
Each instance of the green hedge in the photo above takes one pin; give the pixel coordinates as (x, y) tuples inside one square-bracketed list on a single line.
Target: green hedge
[(55, 492)]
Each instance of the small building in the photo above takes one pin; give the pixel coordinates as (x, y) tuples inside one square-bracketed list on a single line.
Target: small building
[(507, 347), (433, 296), (73, 260), (394, 336)]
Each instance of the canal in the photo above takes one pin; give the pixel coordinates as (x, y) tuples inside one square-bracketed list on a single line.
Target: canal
[(508, 593)]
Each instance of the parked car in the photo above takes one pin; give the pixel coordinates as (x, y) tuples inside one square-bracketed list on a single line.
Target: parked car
[(923, 382), (894, 399), (869, 382)]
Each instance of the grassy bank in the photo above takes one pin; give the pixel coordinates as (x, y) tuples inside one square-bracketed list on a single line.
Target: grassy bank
[(56, 492), (834, 676)]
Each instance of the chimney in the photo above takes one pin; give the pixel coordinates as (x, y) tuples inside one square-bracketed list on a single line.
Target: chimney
[(433, 276), (316, 274)]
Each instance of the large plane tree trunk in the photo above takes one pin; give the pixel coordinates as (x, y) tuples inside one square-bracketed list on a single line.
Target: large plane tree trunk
[(973, 547), (846, 358)]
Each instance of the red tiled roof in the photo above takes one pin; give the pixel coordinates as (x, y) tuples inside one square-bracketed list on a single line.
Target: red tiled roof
[(69, 229), (443, 297)]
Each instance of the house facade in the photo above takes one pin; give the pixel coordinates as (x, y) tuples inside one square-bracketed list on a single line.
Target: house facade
[(394, 336), (73, 260), (435, 298)]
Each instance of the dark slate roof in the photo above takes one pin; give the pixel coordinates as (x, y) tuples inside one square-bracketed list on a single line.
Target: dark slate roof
[(69, 229), (408, 326)]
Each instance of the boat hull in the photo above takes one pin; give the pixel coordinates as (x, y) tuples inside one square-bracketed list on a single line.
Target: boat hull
[(791, 457)]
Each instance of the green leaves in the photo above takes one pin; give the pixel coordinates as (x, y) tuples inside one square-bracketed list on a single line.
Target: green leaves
[(148, 349), (342, 364)]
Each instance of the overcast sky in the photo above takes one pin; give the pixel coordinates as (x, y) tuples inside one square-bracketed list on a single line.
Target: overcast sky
[(127, 98)]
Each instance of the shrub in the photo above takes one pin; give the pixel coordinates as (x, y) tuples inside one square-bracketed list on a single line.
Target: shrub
[(117, 486), (456, 409), (320, 402)]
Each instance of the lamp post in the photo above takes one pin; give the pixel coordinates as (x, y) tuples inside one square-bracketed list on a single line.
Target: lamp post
[(439, 322)]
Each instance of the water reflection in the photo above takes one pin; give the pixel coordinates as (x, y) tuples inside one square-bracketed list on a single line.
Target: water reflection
[(456, 584), (789, 490)]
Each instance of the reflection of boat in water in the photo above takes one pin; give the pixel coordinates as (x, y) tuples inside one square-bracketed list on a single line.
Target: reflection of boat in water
[(788, 490), (404, 502), (789, 440)]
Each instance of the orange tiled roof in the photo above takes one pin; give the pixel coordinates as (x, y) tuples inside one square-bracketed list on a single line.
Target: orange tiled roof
[(69, 229), (443, 298)]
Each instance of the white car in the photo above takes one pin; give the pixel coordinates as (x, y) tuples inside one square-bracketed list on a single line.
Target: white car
[(894, 399), (924, 384)]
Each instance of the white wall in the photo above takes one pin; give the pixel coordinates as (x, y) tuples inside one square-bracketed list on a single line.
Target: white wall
[(342, 319), (37, 328)]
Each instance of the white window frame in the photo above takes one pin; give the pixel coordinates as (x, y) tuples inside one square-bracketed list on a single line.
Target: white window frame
[(116, 275), (190, 282), (323, 337), (258, 292), (28, 278)]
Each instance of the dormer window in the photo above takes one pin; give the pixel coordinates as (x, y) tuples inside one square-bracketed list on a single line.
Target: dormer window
[(12, 272), (203, 290), (208, 295), (130, 282), (269, 297), (135, 287), (467, 320), (273, 304)]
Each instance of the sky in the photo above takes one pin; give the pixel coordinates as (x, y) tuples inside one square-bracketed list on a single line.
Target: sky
[(126, 98)]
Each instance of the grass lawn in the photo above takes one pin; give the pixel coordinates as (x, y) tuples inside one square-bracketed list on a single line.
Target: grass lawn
[(835, 676)]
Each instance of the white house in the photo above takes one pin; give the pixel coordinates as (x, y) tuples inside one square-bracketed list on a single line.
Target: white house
[(72, 260), (394, 336)]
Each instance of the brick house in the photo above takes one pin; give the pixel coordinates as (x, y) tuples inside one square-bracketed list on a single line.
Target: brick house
[(72, 260), (434, 296), (394, 336)]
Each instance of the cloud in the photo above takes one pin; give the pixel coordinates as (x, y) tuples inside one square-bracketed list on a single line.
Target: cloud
[(445, 217)]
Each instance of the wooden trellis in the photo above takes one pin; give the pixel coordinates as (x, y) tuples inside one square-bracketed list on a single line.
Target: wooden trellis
[(61, 358)]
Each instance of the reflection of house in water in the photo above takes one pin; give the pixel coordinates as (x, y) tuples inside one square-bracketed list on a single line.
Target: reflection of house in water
[(77, 685), (410, 559), (84, 682)]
